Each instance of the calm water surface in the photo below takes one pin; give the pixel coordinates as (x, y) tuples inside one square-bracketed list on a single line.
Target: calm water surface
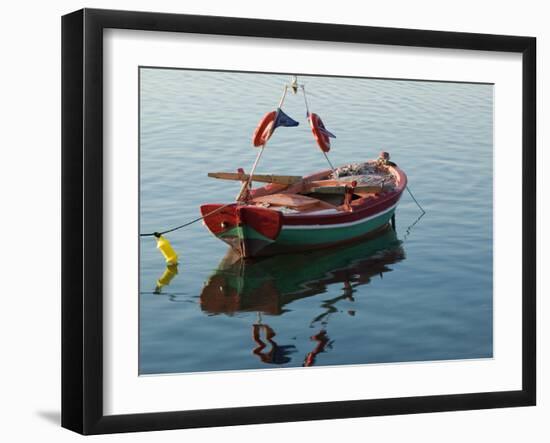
[(421, 293)]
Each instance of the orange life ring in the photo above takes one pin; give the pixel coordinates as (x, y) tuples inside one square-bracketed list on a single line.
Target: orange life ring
[(317, 127), (264, 129)]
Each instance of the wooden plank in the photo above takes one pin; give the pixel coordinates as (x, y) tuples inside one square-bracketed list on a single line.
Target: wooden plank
[(264, 178), (298, 202), (342, 189), (295, 201)]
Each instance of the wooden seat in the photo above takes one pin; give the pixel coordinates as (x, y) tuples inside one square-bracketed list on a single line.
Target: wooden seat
[(294, 201)]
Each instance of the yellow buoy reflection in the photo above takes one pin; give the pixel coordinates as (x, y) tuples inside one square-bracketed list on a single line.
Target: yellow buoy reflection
[(164, 280)]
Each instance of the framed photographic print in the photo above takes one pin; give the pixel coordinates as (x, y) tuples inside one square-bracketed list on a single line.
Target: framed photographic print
[(270, 221)]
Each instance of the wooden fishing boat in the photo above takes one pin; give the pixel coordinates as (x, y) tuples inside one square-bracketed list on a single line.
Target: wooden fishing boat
[(316, 211), (294, 213)]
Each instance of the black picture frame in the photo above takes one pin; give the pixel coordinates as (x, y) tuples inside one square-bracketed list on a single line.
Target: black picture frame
[(82, 220)]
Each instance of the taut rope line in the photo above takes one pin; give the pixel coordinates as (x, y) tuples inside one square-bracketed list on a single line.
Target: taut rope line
[(417, 204), (158, 234)]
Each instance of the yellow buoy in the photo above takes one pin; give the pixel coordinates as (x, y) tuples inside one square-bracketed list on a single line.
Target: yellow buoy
[(166, 249)]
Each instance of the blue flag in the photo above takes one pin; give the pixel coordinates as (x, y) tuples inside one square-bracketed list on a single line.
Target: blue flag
[(284, 120)]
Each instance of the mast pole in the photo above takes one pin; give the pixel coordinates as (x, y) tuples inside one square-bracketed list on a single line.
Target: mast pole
[(246, 184), (329, 162), (305, 99), (283, 97), (307, 111)]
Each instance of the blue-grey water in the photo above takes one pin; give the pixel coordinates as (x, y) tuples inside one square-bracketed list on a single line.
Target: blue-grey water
[(422, 294)]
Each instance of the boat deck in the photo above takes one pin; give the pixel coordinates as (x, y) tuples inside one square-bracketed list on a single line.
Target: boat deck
[(325, 192)]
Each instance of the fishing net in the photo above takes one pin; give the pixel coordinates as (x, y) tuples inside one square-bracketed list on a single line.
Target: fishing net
[(368, 174)]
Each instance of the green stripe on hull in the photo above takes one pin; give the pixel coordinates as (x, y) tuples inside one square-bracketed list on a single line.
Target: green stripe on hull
[(244, 232), (313, 236), (332, 235)]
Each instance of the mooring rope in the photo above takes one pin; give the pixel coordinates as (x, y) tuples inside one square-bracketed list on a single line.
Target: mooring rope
[(158, 234), (417, 204), (411, 226)]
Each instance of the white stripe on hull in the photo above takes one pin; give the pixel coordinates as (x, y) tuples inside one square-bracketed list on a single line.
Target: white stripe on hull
[(340, 225)]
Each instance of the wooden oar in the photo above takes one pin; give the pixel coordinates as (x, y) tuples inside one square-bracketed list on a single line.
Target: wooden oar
[(264, 178)]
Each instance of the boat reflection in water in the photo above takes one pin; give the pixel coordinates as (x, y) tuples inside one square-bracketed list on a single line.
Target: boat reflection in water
[(266, 285)]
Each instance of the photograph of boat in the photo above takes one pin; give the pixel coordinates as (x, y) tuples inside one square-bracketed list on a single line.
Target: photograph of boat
[(317, 253)]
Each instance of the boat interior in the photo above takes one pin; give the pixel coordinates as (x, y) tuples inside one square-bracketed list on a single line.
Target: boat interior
[(336, 190)]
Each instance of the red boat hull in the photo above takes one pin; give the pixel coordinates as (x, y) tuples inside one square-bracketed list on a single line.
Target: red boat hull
[(255, 231)]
